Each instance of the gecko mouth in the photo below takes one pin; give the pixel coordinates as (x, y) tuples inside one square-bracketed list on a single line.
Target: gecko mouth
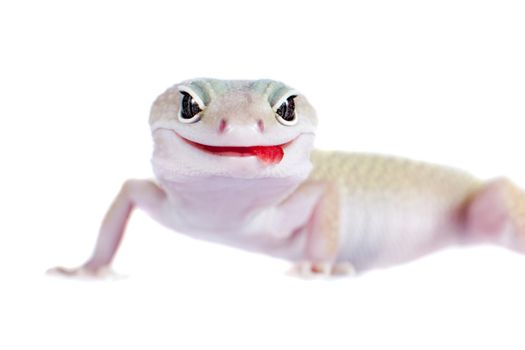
[(266, 154)]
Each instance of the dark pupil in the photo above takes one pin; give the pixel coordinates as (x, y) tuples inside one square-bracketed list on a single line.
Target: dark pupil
[(189, 107), (287, 109)]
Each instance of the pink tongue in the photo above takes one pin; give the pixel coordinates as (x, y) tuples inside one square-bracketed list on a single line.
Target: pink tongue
[(268, 154)]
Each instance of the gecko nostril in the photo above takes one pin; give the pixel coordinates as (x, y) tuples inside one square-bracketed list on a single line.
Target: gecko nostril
[(260, 125), (222, 125)]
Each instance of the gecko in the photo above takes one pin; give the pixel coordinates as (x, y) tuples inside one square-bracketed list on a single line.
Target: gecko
[(234, 163)]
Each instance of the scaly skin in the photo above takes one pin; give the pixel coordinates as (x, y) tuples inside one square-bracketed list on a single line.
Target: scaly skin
[(396, 209), (220, 177)]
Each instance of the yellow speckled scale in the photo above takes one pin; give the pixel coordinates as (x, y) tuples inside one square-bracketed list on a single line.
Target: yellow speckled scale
[(371, 172)]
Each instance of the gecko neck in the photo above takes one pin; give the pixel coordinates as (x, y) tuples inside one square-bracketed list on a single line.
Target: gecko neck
[(215, 202)]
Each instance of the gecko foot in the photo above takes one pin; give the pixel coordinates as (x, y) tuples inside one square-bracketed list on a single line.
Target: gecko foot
[(83, 272), (307, 269)]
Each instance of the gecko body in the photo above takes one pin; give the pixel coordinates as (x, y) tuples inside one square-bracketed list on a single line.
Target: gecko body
[(234, 163)]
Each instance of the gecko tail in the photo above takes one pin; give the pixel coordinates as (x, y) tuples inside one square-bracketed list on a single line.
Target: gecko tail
[(496, 214)]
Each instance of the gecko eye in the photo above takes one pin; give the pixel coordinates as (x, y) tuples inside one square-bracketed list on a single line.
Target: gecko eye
[(189, 109), (286, 112)]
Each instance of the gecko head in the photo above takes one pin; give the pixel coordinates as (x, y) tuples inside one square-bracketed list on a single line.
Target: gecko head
[(232, 128)]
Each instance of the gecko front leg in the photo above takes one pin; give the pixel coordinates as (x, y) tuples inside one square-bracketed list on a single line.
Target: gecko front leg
[(323, 235), (142, 194)]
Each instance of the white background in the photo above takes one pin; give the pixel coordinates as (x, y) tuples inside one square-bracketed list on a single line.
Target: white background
[(442, 81)]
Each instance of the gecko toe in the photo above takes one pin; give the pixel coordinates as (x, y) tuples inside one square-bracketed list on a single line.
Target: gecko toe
[(310, 270), (83, 273)]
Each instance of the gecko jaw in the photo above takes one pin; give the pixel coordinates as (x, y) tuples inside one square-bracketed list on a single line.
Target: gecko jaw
[(267, 154)]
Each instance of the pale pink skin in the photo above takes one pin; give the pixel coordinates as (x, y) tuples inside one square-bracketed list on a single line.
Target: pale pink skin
[(244, 202)]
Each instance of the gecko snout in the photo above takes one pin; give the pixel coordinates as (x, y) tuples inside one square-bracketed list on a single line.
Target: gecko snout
[(222, 126), (225, 126)]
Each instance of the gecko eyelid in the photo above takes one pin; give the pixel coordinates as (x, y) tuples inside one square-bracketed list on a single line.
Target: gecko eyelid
[(188, 90)]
